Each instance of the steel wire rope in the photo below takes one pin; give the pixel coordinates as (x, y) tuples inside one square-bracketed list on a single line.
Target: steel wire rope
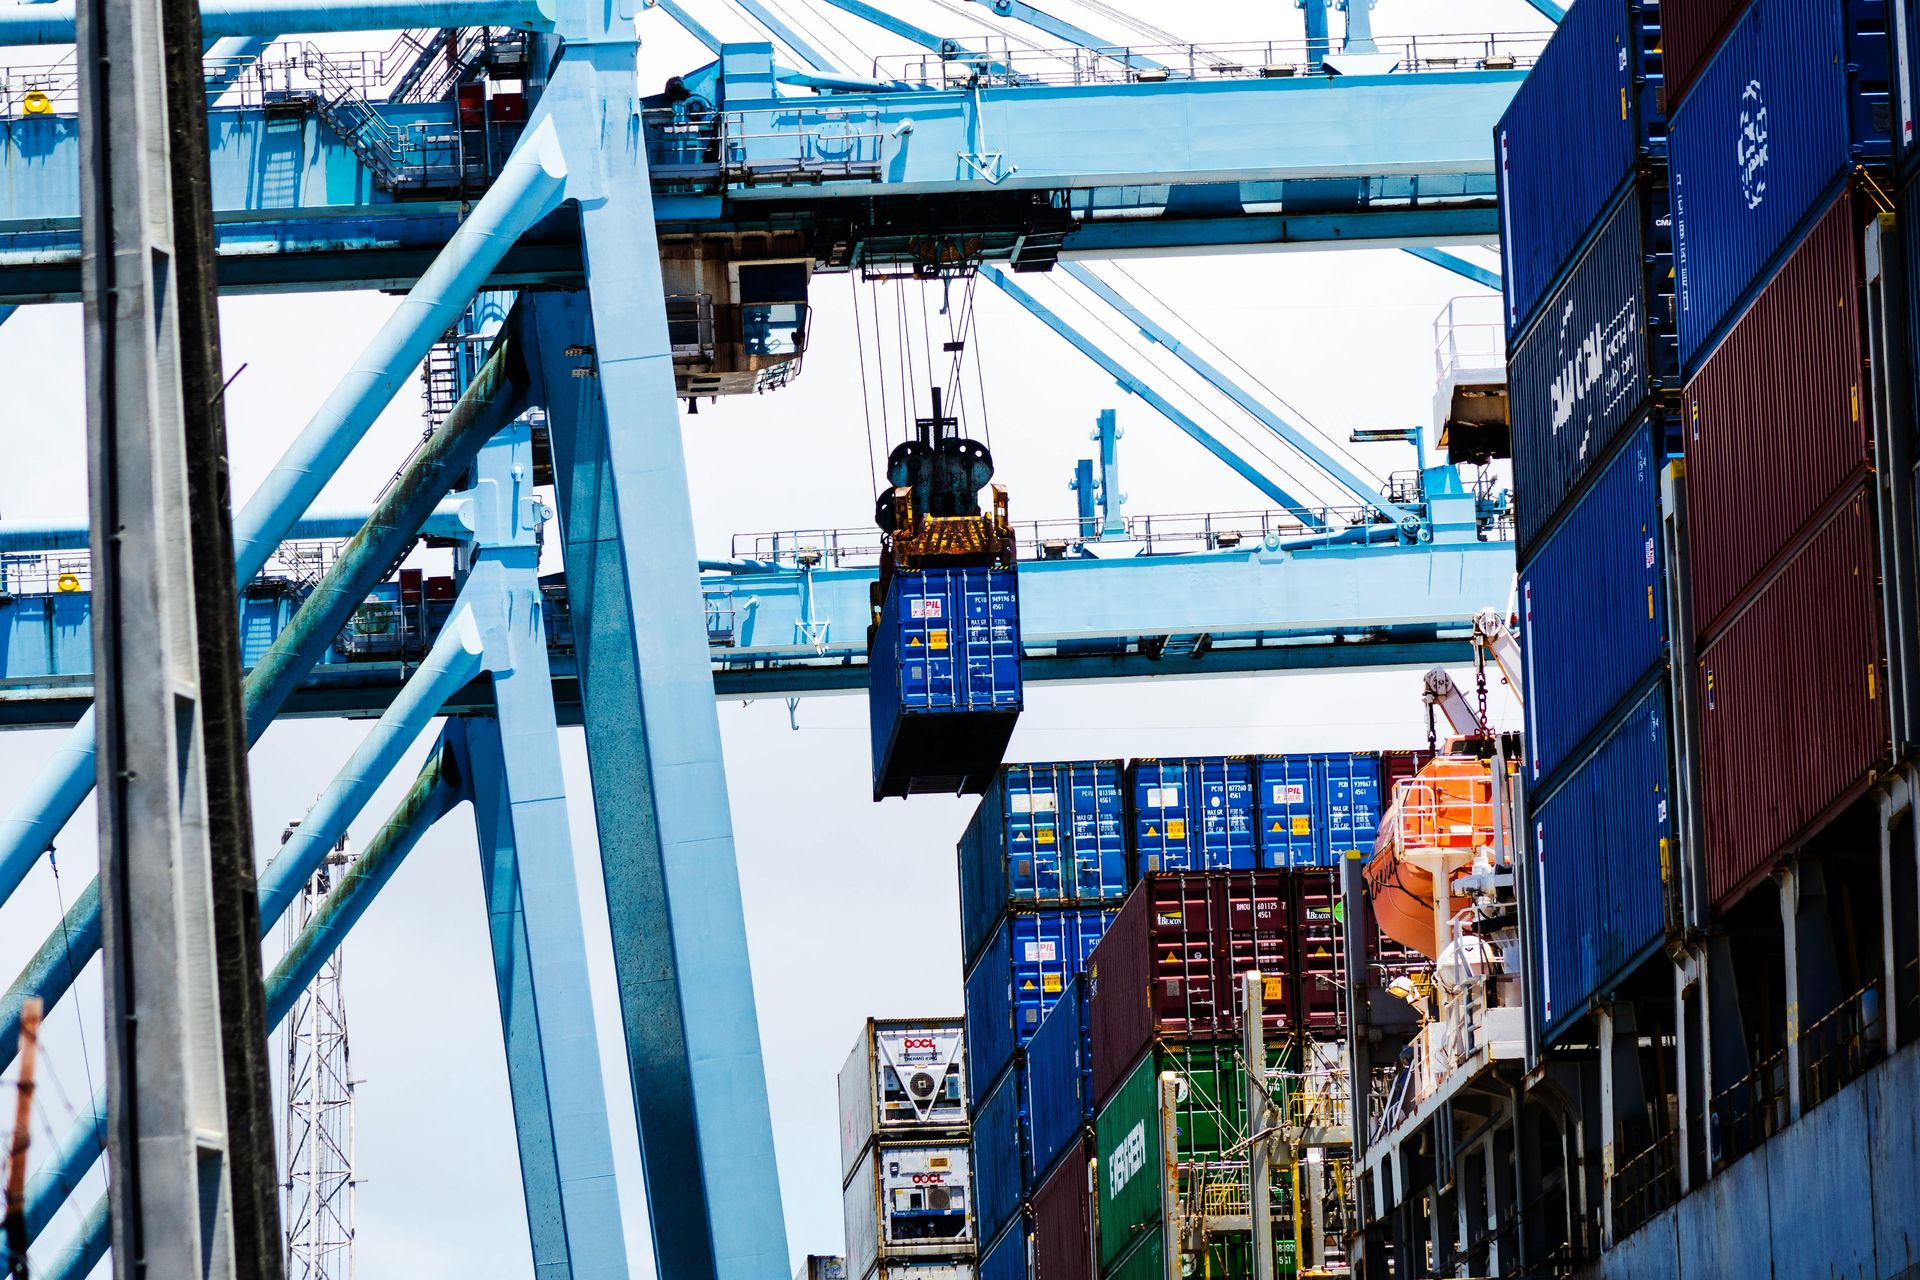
[(1308, 494), (880, 364), (66, 946), (771, 35), (909, 378), (979, 368), (866, 407), (860, 56), (1327, 438)]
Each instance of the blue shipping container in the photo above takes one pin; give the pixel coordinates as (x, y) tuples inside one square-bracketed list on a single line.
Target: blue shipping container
[(1315, 808), (1584, 373), (1044, 835), (999, 1142), (1601, 850), (1059, 1072), (1006, 1258), (1570, 139), (1593, 607), (1763, 141), (1015, 982), (943, 680), (1194, 815)]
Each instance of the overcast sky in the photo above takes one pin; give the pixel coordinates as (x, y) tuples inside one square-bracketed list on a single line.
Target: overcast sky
[(850, 906)]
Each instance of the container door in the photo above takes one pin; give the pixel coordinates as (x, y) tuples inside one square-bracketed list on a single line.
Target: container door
[(1045, 955), (1352, 815), (1096, 804), (1226, 805), (1290, 806), (1034, 837), (1160, 803)]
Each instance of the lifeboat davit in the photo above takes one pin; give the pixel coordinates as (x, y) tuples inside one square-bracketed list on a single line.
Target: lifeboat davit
[(1436, 821)]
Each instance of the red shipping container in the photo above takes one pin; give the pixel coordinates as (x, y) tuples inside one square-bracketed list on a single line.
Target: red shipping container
[(1169, 964), (1320, 954), (1791, 721), (1690, 32), (1063, 1220), (1775, 420)]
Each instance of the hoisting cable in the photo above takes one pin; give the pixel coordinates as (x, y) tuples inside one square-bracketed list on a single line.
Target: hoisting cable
[(866, 408), (879, 362)]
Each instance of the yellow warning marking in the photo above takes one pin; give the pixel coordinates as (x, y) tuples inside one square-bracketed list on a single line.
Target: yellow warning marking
[(1027, 985), (1270, 989), (936, 639), (1275, 827), (1302, 826), (1321, 952), (1050, 983), (1176, 828), (1043, 836), (1151, 832), (913, 642)]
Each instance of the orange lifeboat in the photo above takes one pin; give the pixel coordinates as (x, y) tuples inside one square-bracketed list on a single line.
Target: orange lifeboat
[(1436, 821)]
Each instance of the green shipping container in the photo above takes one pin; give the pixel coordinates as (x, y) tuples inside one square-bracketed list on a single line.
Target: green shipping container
[(1211, 1117), (1226, 1258)]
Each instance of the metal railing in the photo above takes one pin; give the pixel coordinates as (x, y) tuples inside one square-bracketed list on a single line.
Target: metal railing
[(1469, 333), (992, 60), (1645, 1184), (1837, 1048), (1750, 1110)]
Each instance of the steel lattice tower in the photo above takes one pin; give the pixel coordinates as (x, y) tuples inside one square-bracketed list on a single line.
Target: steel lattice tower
[(318, 1181)]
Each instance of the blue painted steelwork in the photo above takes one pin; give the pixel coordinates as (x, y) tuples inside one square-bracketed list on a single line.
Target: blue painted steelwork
[(1548, 10), (1059, 1078), (1314, 810), (1198, 814), (1000, 1158), (15, 536), (1458, 265), (51, 22), (1794, 98), (1587, 116), (1294, 438), (1017, 979), (1044, 835), (1600, 857), (1593, 606), (1130, 383), (793, 39), (943, 687), (1007, 1257), (1064, 30), (950, 50)]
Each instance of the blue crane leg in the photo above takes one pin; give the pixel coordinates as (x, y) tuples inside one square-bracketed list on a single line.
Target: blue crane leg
[(89, 1245), (52, 23), (519, 793)]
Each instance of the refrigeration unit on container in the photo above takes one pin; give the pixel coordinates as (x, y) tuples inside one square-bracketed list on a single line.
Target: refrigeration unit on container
[(1001, 1173), (1044, 835), (1015, 982), (1794, 98), (1006, 1258), (817, 1266), (1600, 856), (1775, 421), (1063, 1218), (922, 1269), (1792, 718), (909, 1202), (1593, 605), (1210, 1122), (1314, 809), (1170, 964), (943, 680), (1583, 123), (1059, 1076), (1195, 814), (906, 1078), (1585, 374)]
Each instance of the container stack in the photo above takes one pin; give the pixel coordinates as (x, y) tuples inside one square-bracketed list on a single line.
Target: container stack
[(1587, 261), (1237, 853), (907, 1191), (1780, 149)]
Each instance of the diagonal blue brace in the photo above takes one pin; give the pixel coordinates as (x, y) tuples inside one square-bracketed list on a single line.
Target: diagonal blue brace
[(1548, 9), (1289, 434), (793, 39), (946, 48), (653, 735), (1064, 30), (1128, 382), (512, 765), (1458, 265)]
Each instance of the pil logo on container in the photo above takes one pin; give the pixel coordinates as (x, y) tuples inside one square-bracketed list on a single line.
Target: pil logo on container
[(1751, 145)]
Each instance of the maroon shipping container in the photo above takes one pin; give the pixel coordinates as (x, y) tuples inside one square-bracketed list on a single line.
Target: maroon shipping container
[(1690, 31), (1320, 954), (1063, 1220), (1791, 719), (1775, 419), (1396, 766), (1169, 964)]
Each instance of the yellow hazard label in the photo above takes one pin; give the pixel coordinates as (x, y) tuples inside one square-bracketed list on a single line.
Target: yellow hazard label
[(1027, 985), (938, 1162), (1176, 828), (913, 642), (1270, 989), (1320, 952), (1043, 836), (1050, 983), (1302, 826), (1152, 831), (936, 639), (1275, 828)]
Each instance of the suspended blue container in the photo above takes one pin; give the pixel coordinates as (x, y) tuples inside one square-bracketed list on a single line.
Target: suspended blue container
[(1006, 1258), (1585, 373), (1315, 808), (1195, 814), (1593, 607), (1000, 1164), (1795, 97), (943, 680), (1044, 835), (1578, 129), (1600, 853), (1023, 971), (1059, 1072)]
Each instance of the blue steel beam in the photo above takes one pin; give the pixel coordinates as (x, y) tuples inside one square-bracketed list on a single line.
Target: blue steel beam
[(1061, 29), (1548, 9), (791, 38), (946, 48), (1130, 383), (446, 521), (1458, 265), (533, 903), (52, 22), (692, 25), (1290, 435)]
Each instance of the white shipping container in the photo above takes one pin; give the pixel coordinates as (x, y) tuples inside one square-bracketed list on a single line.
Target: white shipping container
[(904, 1079), (909, 1202), (943, 1269), (820, 1266)]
